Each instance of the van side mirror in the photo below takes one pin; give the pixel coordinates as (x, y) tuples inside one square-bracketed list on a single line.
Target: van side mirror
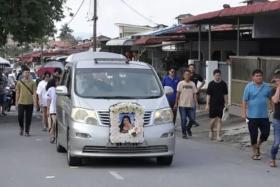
[(62, 90), (168, 90)]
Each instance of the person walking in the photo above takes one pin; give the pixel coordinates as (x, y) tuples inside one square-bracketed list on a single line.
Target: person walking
[(256, 96), (172, 81), (3, 84), (25, 99), (41, 92), (216, 101), (186, 100), (196, 78), (51, 100), (276, 120), (57, 74)]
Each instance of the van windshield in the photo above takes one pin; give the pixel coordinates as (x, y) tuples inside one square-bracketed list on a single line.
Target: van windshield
[(121, 83)]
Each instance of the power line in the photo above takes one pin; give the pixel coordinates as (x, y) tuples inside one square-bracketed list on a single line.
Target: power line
[(137, 12), (89, 13), (76, 12)]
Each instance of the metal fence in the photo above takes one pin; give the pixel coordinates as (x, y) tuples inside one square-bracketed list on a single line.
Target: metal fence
[(242, 68)]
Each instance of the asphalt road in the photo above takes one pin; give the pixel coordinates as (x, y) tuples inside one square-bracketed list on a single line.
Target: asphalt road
[(34, 162)]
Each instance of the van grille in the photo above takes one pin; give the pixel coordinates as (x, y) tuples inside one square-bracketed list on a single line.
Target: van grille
[(126, 149), (104, 117)]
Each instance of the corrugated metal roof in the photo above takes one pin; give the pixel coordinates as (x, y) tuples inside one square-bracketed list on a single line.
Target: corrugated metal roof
[(127, 41), (250, 10), (164, 31), (157, 40)]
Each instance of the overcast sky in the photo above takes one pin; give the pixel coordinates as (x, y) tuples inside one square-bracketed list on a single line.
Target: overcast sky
[(114, 11)]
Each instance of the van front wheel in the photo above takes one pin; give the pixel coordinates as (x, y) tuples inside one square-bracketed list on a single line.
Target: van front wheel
[(164, 160), (59, 147), (72, 161)]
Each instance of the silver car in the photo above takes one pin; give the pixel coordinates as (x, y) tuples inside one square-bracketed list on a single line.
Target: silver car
[(92, 83)]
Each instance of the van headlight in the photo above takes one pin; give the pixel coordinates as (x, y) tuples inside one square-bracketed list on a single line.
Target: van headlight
[(163, 116), (84, 116)]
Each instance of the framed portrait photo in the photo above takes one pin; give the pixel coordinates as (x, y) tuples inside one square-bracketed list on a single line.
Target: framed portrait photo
[(126, 121)]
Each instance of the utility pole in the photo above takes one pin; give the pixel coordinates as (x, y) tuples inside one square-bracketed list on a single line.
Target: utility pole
[(95, 18)]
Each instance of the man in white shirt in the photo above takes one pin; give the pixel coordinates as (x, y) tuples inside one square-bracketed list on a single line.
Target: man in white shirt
[(186, 100), (41, 92)]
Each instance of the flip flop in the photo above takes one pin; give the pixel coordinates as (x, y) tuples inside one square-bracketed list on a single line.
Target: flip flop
[(273, 164), (256, 157)]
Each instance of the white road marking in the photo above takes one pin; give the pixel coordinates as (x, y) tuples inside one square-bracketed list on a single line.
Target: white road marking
[(74, 167), (50, 177), (116, 175)]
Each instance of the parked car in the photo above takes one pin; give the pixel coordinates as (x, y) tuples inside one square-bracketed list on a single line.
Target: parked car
[(93, 83)]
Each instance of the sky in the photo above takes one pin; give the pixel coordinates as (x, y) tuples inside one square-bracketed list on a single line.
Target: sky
[(115, 11)]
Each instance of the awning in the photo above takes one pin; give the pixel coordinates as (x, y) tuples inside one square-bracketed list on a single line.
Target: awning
[(35, 56), (228, 15), (4, 63), (166, 30), (157, 40), (120, 42), (164, 44)]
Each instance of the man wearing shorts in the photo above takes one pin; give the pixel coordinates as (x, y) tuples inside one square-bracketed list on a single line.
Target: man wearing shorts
[(216, 101), (255, 110)]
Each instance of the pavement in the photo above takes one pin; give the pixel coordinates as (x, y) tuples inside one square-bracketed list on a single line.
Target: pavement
[(34, 162), (235, 130)]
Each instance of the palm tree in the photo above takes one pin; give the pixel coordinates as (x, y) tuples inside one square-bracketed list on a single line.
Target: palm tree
[(66, 34)]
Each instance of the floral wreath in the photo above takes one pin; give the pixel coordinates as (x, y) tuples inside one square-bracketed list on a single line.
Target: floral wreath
[(134, 135)]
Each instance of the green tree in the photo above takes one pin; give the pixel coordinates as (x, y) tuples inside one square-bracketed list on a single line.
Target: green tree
[(66, 34), (27, 20)]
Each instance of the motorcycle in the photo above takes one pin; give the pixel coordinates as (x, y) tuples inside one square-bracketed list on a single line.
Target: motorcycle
[(9, 99)]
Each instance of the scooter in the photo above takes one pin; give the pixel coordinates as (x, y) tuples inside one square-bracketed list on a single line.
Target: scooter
[(9, 99)]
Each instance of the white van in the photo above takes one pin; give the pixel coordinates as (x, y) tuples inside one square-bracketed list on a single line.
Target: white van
[(108, 106)]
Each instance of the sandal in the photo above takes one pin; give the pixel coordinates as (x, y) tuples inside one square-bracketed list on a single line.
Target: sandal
[(52, 140), (27, 134), (258, 152), (273, 164), (256, 157), (21, 132)]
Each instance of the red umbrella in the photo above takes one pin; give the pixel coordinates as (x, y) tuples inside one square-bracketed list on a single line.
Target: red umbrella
[(42, 70)]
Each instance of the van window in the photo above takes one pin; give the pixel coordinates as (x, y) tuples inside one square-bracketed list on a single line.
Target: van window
[(64, 78), (117, 83), (69, 79)]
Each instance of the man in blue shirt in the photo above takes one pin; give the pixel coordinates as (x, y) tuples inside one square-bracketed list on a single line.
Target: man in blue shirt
[(171, 80), (256, 97)]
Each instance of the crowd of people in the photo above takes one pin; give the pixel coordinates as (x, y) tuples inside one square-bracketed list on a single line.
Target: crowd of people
[(258, 99), (42, 96), (255, 109)]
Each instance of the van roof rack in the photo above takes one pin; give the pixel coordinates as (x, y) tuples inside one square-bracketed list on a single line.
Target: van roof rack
[(97, 60)]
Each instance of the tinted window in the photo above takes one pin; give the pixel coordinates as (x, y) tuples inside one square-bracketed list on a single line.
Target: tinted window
[(117, 83)]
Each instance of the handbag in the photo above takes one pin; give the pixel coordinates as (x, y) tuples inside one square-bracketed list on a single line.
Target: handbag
[(225, 114)]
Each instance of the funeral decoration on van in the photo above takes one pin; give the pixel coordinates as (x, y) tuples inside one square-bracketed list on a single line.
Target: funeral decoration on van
[(126, 123)]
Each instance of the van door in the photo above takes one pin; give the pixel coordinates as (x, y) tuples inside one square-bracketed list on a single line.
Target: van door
[(64, 107)]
